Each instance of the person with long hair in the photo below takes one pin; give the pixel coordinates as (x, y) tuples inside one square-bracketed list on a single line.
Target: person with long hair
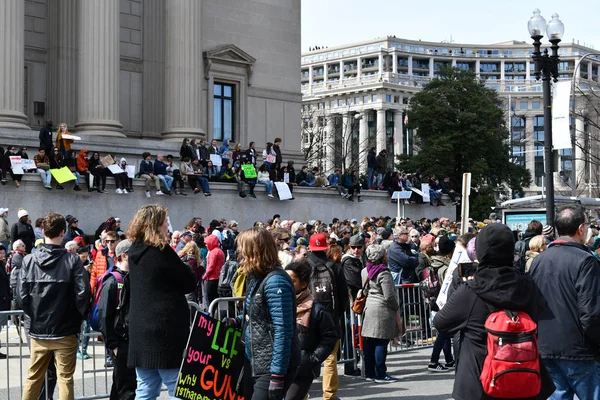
[(64, 145), (186, 150), (98, 172), (269, 155), (190, 254), (158, 315), (271, 342)]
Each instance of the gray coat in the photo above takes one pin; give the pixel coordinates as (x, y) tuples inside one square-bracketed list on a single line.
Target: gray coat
[(379, 316)]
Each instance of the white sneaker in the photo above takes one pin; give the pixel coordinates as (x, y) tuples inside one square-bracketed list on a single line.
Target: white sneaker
[(119, 191), (159, 193), (125, 191), (148, 194), (270, 196)]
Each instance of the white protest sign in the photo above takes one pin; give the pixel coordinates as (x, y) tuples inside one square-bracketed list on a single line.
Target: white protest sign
[(115, 169), (130, 171), (283, 190), (71, 137), (425, 189), (16, 163), (459, 257), (286, 178), (216, 160), (29, 165)]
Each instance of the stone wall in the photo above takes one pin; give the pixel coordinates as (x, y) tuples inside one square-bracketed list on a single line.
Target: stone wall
[(93, 208)]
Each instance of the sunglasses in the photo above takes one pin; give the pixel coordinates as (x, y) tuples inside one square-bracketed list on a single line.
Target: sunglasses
[(414, 236), (75, 221), (111, 241), (356, 247)]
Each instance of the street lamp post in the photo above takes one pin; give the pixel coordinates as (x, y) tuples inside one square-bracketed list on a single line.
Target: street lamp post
[(546, 69)]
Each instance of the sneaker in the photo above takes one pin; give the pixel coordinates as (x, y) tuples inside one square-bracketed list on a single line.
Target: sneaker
[(242, 195), (125, 191), (360, 200), (370, 379), (450, 365), (4, 181), (108, 364), (387, 379), (356, 372), (148, 194), (77, 188), (59, 187), (196, 191), (207, 194), (270, 196), (182, 193), (437, 367), (159, 193), (119, 191), (252, 195)]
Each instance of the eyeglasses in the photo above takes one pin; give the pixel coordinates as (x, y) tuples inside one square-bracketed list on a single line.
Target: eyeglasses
[(356, 247), (414, 236), (110, 241)]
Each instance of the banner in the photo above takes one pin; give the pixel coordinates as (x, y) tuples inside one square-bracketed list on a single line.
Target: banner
[(16, 164), (561, 129), (283, 190), (212, 362), (459, 257), (216, 160), (425, 189), (249, 171), (62, 175)]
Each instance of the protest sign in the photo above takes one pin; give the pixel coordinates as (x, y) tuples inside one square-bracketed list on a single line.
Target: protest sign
[(71, 137), (16, 164), (216, 160), (249, 171), (286, 177), (425, 189), (107, 160), (212, 365), (29, 165), (62, 175), (460, 256), (130, 171), (283, 190), (115, 169)]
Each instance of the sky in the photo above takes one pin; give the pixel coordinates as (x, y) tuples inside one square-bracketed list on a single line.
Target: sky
[(337, 22)]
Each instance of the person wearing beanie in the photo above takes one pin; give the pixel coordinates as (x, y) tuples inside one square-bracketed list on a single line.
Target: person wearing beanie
[(23, 230), (496, 285), (548, 232), (380, 314)]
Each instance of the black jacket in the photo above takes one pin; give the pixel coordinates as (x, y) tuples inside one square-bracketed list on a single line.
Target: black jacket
[(381, 162), (316, 342), (159, 317), (301, 176), (352, 267), (4, 290), (114, 330), (54, 291), (46, 138), (23, 231), (371, 160), (278, 157), (568, 276), (186, 151)]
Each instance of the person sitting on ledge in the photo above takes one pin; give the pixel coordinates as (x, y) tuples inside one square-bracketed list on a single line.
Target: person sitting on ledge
[(42, 162), (351, 183), (335, 182), (248, 178), (264, 179), (303, 177), (70, 161), (174, 171), (211, 172), (147, 173), (160, 168)]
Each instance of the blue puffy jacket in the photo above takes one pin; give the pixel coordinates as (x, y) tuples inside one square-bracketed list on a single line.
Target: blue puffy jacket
[(402, 263)]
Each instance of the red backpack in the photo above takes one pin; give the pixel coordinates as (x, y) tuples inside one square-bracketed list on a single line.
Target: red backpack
[(511, 368), (431, 286)]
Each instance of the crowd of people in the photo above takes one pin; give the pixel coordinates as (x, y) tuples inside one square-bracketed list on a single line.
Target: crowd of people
[(309, 275)]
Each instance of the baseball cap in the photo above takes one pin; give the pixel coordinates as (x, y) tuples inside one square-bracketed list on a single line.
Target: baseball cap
[(233, 223), (122, 247), (357, 240), (318, 242), (80, 241), (3, 210), (186, 233), (444, 219)]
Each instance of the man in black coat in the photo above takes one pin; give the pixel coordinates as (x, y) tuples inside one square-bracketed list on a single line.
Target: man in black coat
[(495, 286), (371, 165), (568, 275), (46, 142), (278, 156)]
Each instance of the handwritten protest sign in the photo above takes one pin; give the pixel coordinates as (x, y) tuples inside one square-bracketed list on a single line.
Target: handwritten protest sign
[(16, 163), (29, 165), (283, 190), (458, 257), (62, 175), (107, 160), (249, 171), (216, 160), (212, 363), (115, 169), (130, 171)]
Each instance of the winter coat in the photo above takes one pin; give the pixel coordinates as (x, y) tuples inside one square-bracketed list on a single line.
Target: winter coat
[(379, 315), (402, 263), (107, 311), (371, 160), (352, 267), (440, 265), (24, 231), (381, 162), (160, 168), (82, 163), (16, 262), (54, 292), (102, 263), (4, 231), (341, 287), (187, 151), (4, 294), (158, 314), (63, 144), (568, 276), (146, 167), (214, 260), (271, 340), (45, 137), (529, 257), (278, 157), (424, 262)]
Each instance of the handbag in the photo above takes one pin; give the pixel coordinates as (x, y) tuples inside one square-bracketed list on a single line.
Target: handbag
[(359, 303)]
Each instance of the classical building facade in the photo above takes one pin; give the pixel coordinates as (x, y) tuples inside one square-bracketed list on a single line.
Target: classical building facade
[(358, 94), (153, 69)]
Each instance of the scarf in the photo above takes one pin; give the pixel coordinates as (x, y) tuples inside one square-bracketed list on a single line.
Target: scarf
[(374, 269), (305, 302)]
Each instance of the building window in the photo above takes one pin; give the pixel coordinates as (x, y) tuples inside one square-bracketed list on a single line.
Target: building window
[(523, 105), (535, 105), (357, 100), (374, 98), (365, 99), (538, 142), (388, 98), (223, 101)]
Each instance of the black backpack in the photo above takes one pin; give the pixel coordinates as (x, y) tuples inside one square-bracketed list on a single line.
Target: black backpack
[(521, 248), (228, 241), (226, 278), (322, 285)]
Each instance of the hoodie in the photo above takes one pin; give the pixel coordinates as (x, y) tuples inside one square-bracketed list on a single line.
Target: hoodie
[(352, 267), (54, 291), (214, 260), (495, 286), (82, 163)]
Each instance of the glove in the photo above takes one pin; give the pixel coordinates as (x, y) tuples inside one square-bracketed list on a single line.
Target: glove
[(276, 387), (229, 322)]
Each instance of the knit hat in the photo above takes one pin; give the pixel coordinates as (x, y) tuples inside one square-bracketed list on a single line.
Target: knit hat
[(357, 240), (446, 245), (380, 230), (22, 213), (375, 253), (547, 231), (122, 247)]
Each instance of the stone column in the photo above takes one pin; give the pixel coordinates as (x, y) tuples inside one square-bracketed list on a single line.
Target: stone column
[(183, 70), (154, 67), (12, 66), (63, 62), (329, 143), (527, 71), (341, 72), (381, 131), (502, 70), (398, 133), (410, 66), (431, 67), (478, 68), (529, 147), (580, 157), (99, 66), (358, 69), (346, 138), (363, 142), (380, 64), (395, 63)]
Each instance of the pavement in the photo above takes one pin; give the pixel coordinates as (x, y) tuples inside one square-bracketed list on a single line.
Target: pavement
[(92, 379)]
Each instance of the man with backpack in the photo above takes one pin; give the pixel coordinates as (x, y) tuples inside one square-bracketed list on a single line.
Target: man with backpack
[(54, 294), (534, 228), (113, 321), (568, 275), (328, 287)]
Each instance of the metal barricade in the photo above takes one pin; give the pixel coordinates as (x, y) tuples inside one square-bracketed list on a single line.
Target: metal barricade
[(416, 313)]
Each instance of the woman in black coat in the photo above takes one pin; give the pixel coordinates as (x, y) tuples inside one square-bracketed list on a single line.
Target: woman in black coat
[(23, 230), (158, 314), (99, 172), (497, 285), (186, 150), (317, 334)]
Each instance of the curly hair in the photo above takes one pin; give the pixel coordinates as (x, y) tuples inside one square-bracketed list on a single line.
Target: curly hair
[(146, 224), (257, 252)]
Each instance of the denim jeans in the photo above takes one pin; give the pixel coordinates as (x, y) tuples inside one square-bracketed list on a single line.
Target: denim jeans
[(149, 382), (77, 177), (442, 342), (370, 177), (375, 354), (305, 183), (166, 180), (268, 185), (380, 179), (574, 377), (46, 177)]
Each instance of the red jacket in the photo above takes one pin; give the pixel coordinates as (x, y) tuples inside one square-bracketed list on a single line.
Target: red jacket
[(214, 260)]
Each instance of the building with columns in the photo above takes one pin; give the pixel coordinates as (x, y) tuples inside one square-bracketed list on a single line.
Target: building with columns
[(358, 94), (152, 69)]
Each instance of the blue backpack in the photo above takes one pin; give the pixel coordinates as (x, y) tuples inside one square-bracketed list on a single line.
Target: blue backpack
[(94, 318)]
